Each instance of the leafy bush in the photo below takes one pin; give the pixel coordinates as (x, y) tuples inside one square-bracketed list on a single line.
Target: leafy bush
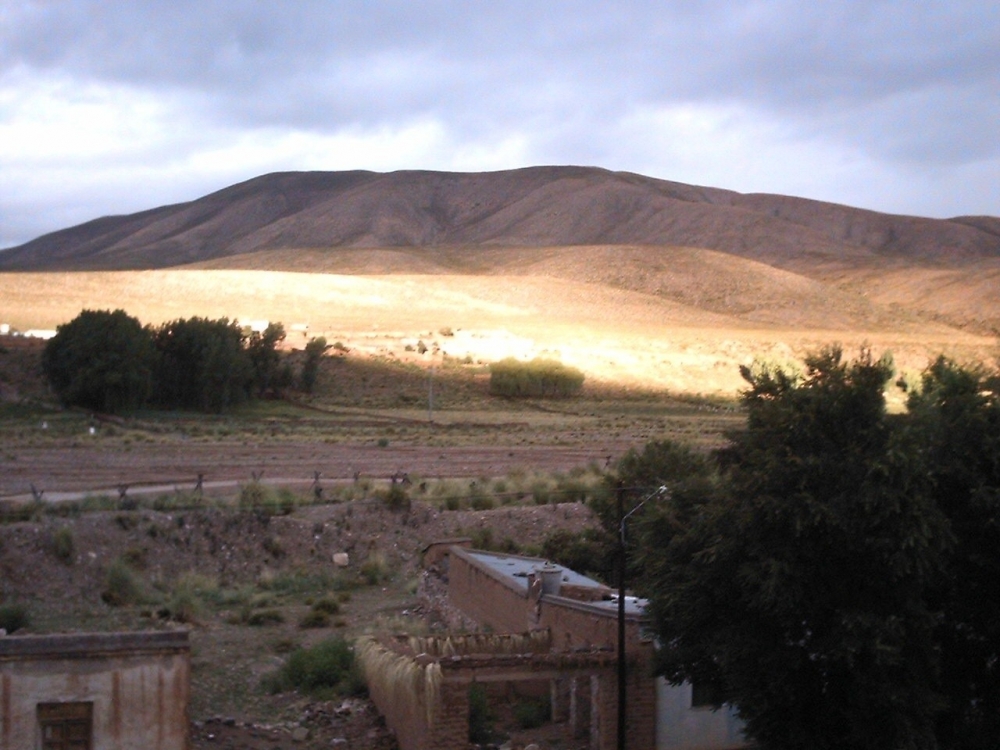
[(13, 617), (187, 600), (374, 570), (327, 605), (325, 669), (481, 716), (122, 586), (315, 618), (266, 501), (396, 497), (539, 378), (482, 502), (591, 551), (62, 545)]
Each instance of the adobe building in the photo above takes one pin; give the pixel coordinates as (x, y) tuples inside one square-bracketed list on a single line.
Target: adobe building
[(95, 691), (546, 625)]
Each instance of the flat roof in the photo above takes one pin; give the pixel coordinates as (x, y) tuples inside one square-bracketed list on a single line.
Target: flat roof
[(516, 569)]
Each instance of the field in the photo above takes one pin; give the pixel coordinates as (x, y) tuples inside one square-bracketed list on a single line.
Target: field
[(615, 334)]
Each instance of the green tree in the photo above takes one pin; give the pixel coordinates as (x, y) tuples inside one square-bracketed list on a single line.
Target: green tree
[(315, 350), (101, 360), (265, 359), (954, 425), (203, 365), (800, 589)]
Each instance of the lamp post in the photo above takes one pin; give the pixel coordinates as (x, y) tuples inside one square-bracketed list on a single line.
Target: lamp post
[(622, 517)]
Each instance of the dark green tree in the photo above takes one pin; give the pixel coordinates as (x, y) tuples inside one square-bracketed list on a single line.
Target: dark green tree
[(954, 425), (262, 348), (101, 360), (315, 350), (799, 589), (202, 365)]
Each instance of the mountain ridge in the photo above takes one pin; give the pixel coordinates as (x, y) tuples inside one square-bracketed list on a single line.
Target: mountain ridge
[(529, 207)]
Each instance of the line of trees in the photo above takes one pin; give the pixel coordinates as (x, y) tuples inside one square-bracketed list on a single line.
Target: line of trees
[(109, 362), (834, 571)]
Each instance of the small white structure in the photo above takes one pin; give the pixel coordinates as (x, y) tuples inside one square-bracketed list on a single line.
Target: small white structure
[(4, 329), (256, 326), (39, 333)]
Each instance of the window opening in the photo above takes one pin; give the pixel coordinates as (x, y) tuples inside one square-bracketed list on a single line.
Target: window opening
[(66, 726)]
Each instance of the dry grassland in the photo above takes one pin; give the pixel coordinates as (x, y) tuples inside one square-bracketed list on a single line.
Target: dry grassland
[(613, 334)]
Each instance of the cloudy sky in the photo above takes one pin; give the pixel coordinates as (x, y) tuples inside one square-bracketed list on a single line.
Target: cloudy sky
[(113, 107)]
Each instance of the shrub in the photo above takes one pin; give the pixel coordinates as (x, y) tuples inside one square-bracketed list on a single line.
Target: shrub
[(327, 605), (396, 497), (266, 501), (326, 668), (482, 502), (62, 545), (374, 570), (265, 617), (184, 605), (539, 378), (481, 716), (315, 618), (541, 493), (186, 602), (122, 586), (13, 617)]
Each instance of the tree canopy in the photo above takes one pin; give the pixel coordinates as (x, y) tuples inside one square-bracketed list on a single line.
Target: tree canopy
[(838, 580), (101, 360), (109, 362)]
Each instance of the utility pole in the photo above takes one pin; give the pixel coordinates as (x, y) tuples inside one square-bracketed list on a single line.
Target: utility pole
[(622, 559), (620, 492), (430, 396)]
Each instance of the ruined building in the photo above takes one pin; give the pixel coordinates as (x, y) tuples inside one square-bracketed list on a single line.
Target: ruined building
[(544, 626)]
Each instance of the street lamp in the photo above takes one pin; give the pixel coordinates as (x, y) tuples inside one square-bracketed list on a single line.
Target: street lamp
[(622, 517)]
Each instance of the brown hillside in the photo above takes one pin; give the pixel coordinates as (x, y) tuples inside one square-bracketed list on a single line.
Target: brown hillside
[(628, 277), (535, 207)]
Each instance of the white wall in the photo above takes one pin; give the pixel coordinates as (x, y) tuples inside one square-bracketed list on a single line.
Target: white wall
[(680, 727)]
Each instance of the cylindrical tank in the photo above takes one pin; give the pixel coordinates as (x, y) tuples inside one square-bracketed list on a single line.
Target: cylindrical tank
[(551, 576)]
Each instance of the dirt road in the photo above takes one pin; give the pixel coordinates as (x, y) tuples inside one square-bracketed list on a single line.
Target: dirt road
[(166, 467)]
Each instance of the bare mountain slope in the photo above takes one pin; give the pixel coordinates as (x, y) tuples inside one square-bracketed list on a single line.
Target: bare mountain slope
[(540, 206)]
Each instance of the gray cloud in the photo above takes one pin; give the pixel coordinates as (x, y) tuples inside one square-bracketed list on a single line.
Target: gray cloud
[(905, 88)]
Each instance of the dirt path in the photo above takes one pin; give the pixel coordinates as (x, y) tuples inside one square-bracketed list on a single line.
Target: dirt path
[(63, 472)]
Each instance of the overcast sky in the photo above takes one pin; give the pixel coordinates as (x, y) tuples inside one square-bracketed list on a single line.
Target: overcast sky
[(113, 107)]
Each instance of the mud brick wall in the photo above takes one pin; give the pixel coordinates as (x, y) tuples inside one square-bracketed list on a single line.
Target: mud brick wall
[(486, 597), (137, 687), (450, 730), (576, 625)]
